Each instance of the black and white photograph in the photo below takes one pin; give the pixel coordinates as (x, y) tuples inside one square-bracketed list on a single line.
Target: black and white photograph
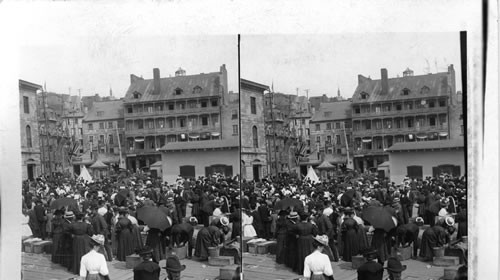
[(162, 143)]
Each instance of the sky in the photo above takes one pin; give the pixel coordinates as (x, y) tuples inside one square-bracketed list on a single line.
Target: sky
[(325, 63), (321, 64)]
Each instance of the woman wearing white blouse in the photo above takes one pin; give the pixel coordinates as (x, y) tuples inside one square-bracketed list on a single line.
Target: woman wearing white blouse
[(93, 265), (317, 266)]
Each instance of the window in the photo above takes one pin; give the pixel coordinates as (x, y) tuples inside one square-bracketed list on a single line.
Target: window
[(29, 142), (318, 127), (377, 109), (303, 121), (234, 115), (255, 137), (140, 125), (348, 138), (197, 89), (432, 121), (215, 120), (120, 123), (178, 91), (171, 106), (368, 125), (339, 151), (110, 139), (337, 140), (409, 123), (235, 129), (170, 123), (424, 90), (253, 105), (364, 95), (110, 124), (409, 106), (182, 106), (378, 125), (150, 109), (26, 103), (73, 132), (318, 139), (159, 108), (337, 125), (442, 103), (192, 104), (398, 107), (357, 110), (414, 171), (215, 103), (182, 122), (329, 126), (137, 95), (203, 104), (100, 113), (405, 91), (204, 121), (90, 126), (80, 131), (101, 125), (151, 124), (328, 139), (160, 123), (388, 124), (91, 139), (431, 104), (101, 138), (399, 123)]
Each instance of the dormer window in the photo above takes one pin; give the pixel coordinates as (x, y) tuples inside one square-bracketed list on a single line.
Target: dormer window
[(364, 95), (425, 90), (197, 89), (137, 95), (178, 91), (405, 91)]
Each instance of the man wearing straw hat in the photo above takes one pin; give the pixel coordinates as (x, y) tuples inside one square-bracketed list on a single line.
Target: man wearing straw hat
[(93, 265)]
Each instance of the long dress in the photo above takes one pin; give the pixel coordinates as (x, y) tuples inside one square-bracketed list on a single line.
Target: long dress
[(66, 245), (291, 259), (435, 236), (350, 239), (210, 236), (281, 229), (156, 242), (57, 233), (25, 228), (379, 243), (81, 243), (305, 231), (125, 238), (248, 228)]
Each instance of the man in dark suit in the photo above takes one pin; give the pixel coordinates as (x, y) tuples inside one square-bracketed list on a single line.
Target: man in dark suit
[(147, 269), (41, 218), (371, 270)]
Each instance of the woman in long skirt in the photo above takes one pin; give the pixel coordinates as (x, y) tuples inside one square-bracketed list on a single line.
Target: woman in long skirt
[(57, 233), (379, 243), (210, 236), (291, 259), (155, 241), (81, 232), (124, 236), (436, 236), (93, 265), (305, 232), (281, 230), (350, 237)]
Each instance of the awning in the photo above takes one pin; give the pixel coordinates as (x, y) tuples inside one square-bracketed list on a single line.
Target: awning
[(205, 135), (443, 134), (215, 134), (194, 135), (422, 136), (366, 140), (139, 139)]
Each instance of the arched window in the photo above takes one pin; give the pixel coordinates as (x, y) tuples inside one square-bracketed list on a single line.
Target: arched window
[(405, 91), (255, 137), (425, 90), (28, 136), (364, 95)]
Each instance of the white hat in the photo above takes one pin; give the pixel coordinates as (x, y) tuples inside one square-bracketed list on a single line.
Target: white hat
[(224, 221), (102, 211), (148, 182), (122, 187), (327, 211), (449, 221)]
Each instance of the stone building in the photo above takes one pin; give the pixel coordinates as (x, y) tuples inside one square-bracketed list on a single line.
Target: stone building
[(403, 109), (30, 143), (103, 130), (253, 138)]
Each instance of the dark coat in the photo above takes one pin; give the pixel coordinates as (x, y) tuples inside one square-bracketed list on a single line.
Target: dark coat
[(371, 271), (147, 270)]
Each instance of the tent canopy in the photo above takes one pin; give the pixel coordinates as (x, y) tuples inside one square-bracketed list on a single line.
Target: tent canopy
[(311, 175), (85, 175), (156, 164), (98, 164), (325, 165)]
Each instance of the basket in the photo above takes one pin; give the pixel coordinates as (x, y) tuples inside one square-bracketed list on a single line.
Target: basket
[(438, 252), (213, 252)]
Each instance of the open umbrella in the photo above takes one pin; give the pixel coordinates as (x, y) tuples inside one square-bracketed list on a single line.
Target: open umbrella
[(63, 202), (153, 217), (289, 202), (378, 217)]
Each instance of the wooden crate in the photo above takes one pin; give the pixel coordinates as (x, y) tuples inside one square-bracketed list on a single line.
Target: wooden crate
[(252, 248), (227, 272), (264, 247)]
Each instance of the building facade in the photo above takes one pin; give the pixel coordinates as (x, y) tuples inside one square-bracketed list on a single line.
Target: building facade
[(331, 134), (103, 130), (253, 138), (403, 109), (30, 144)]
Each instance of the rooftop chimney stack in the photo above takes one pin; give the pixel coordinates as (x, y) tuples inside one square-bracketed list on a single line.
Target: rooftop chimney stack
[(384, 81), (156, 81)]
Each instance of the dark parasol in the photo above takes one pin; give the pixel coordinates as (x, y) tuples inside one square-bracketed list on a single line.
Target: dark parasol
[(153, 217), (379, 217)]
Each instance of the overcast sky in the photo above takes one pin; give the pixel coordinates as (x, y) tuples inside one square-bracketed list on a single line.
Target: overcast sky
[(320, 63), (324, 63)]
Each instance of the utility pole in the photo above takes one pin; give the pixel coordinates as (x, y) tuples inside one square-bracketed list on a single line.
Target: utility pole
[(274, 136), (47, 130)]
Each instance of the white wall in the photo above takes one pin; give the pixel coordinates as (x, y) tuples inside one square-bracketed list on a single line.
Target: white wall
[(427, 159), (200, 159)]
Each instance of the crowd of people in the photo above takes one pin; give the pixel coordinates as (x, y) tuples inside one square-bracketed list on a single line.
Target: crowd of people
[(308, 221)]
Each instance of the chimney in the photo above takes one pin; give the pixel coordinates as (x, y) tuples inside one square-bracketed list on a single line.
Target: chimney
[(384, 81), (156, 81)]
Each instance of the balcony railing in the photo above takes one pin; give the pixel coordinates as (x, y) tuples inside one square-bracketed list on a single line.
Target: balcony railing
[(368, 151), (436, 109), (197, 110), (165, 130), (392, 130)]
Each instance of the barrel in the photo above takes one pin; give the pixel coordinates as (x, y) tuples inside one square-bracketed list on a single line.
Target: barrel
[(213, 252), (438, 251)]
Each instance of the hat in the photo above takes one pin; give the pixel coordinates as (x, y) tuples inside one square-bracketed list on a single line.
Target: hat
[(170, 199), (98, 239), (327, 211), (145, 250), (173, 264), (396, 199), (224, 221), (394, 265), (348, 210), (193, 220), (449, 221), (148, 182), (102, 211), (69, 214), (293, 215), (419, 220), (122, 187), (370, 253), (322, 239)]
